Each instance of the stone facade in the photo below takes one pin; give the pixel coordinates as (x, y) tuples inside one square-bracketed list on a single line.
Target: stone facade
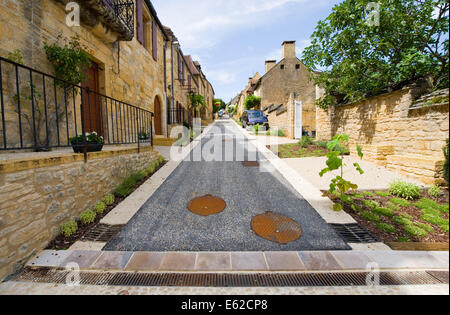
[(395, 131), (128, 71), (39, 194), (249, 90), (284, 82)]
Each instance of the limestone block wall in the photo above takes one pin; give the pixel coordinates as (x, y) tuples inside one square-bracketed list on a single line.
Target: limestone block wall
[(37, 195), (394, 131)]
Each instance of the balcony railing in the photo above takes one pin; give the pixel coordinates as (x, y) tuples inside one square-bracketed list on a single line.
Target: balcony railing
[(123, 11), (39, 111)]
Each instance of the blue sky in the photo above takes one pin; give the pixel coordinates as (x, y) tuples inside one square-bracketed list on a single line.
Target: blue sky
[(233, 38)]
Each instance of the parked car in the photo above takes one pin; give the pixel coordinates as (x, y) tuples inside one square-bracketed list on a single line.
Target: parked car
[(221, 113), (254, 117)]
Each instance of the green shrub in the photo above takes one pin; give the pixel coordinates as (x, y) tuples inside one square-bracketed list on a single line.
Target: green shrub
[(127, 185), (403, 239), (383, 193), (426, 227), (88, 217), (444, 208), (400, 202), (393, 206), (425, 203), (372, 204), (306, 141), (322, 144), (436, 220), (444, 227), (401, 220), (357, 208), (370, 216), (431, 211), (404, 190), (368, 194), (415, 231), (357, 195), (109, 200), (435, 191), (100, 208), (386, 227), (446, 171), (69, 228), (386, 212)]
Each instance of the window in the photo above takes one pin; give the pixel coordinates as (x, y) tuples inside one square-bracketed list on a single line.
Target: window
[(146, 30), (297, 67), (282, 67)]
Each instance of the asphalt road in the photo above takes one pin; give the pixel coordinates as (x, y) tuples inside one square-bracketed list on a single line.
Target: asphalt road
[(165, 224)]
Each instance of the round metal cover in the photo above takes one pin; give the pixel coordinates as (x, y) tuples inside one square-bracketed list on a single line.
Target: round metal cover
[(207, 205), (276, 228)]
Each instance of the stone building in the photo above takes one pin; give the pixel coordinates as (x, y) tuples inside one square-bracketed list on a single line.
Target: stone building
[(249, 90), (284, 83)]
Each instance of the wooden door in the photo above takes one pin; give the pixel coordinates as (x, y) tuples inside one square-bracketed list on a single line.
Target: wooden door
[(91, 102), (157, 110)]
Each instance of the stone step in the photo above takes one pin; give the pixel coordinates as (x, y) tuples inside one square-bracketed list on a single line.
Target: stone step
[(323, 261)]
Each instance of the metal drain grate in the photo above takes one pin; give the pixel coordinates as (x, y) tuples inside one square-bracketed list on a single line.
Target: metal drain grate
[(102, 233), (230, 280), (354, 233)]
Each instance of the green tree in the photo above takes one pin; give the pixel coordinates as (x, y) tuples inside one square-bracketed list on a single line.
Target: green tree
[(359, 59), (197, 102), (252, 101), (218, 104)]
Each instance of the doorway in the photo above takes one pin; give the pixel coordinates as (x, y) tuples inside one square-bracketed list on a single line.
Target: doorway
[(157, 112), (91, 101)]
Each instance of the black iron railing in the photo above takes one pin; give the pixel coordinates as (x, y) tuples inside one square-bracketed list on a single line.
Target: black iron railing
[(40, 112), (123, 11), (178, 115)]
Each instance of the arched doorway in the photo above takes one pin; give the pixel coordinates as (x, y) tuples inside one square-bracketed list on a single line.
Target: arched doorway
[(157, 112)]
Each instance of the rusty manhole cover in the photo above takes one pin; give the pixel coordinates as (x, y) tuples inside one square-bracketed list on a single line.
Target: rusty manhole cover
[(276, 228), (250, 164), (207, 205)]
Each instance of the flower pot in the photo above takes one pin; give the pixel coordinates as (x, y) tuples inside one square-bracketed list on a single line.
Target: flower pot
[(78, 147)]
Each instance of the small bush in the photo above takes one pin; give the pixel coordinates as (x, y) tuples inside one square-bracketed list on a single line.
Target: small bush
[(393, 206), (372, 204), (404, 190), (383, 193), (400, 202), (69, 228), (436, 220), (435, 191), (306, 141), (386, 227), (425, 203), (322, 144), (426, 227), (100, 208), (386, 212), (88, 217), (109, 200), (127, 185), (415, 231), (357, 208), (401, 220), (370, 216)]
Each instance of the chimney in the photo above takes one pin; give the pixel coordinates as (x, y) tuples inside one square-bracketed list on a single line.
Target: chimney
[(270, 64), (289, 49)]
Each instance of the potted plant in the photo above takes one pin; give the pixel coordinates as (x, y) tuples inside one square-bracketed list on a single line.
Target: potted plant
[(93, 141)]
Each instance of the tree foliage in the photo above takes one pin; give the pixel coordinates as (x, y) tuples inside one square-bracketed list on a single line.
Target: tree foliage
[(252, 101), (359, 59), (197, 102), (218, 104)]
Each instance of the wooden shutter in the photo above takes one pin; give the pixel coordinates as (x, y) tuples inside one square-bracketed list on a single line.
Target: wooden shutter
[(155, 40), (139, 22), (189, 82)]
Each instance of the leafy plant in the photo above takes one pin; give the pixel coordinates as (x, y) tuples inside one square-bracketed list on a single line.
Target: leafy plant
[(372, 204), (252, 101), (88, 217), (400, 202), (386, 212), (90, 138), (100, 207), (69, 61), (16, 56), (306, 141), (386, 227), (383, 193), (109, 200), (69, 228), (370, 216), (415, 231), (357, 60), (435, 191), (196, 102), (408, 191), (335, 162)]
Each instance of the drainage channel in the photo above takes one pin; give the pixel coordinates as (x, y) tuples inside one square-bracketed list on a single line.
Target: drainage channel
[(235, 280)]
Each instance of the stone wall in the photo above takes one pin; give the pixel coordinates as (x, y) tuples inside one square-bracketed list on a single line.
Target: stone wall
[(395, 130), (39, 194), (128, 71)]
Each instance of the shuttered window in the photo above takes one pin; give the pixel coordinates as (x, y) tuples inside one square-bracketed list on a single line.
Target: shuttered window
[(139, 22), (155, 40)]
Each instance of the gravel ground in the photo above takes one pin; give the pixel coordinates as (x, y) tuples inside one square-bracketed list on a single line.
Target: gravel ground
[(165, 224), (375, 177)]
